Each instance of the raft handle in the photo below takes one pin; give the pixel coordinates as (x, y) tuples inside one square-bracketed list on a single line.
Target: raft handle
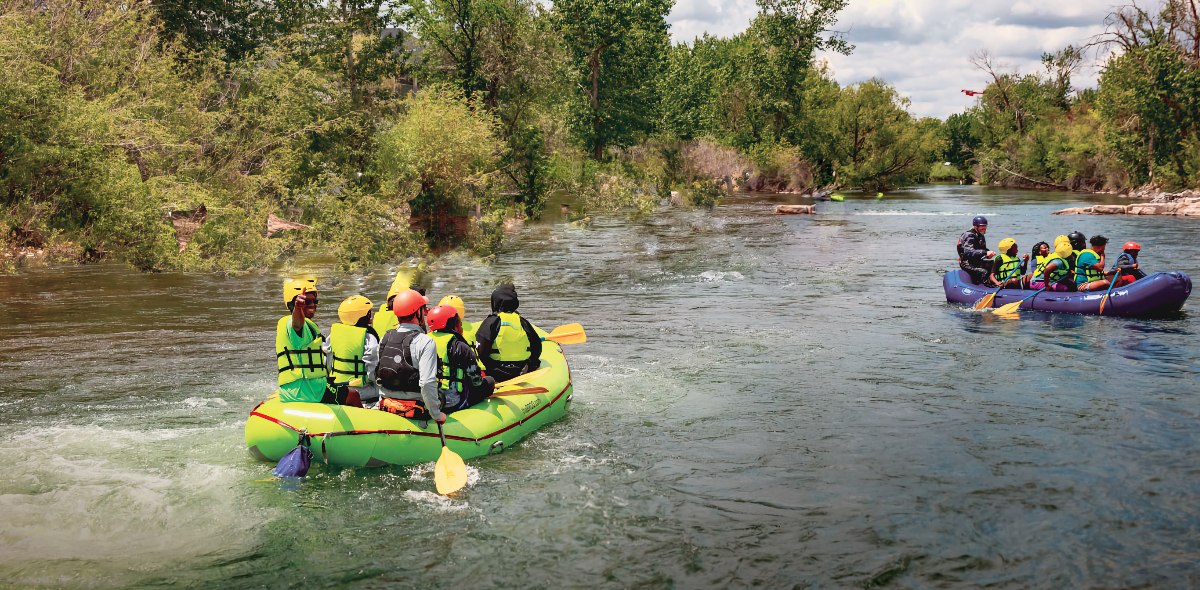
[(498, 443), (570, 397)]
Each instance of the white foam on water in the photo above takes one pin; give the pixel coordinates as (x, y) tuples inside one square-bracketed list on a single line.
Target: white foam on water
[(424, 472), (89, 503), (716, 275), (437, 502), (202, 402)]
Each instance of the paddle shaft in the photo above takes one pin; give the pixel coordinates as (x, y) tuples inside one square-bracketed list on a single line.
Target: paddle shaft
[(1023, 301), (1111, 283), (441, 434), (987, 300)]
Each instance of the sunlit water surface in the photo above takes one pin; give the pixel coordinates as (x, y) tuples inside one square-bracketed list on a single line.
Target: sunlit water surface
[(774, 401)]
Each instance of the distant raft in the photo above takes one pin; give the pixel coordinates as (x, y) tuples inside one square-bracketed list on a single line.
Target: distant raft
[(1154, 295), (357, 437)]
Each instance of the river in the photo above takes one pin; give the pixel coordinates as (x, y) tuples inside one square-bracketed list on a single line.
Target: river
[(772, 401)]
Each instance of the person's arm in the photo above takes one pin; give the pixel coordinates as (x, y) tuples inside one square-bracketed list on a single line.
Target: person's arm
[(483, 336), (424, 353), (535, 345), (1024, 265), (463, 357), (370, 357), (298, 313)]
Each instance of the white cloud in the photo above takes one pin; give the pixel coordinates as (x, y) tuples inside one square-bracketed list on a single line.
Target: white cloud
[(922, 47)]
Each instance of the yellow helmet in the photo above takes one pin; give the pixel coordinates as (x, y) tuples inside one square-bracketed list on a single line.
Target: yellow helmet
[(1061, 240), (457, 303), (296, 286), (1006, 244), (353, 309), (1063, 248)]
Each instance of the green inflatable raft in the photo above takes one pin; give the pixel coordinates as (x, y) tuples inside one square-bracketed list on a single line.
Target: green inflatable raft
[(342, 435)]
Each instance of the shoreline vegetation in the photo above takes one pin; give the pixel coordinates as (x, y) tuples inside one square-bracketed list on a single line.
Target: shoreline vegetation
[(228, 135)]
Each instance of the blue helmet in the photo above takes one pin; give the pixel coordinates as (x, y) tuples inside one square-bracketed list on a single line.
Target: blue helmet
[(979, 220)]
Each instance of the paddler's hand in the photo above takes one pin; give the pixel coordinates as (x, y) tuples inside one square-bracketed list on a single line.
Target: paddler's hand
[(991, 254), (441, 420), (1026, 258)]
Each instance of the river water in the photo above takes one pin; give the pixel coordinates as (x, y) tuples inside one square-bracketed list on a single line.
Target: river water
[(773, 401)]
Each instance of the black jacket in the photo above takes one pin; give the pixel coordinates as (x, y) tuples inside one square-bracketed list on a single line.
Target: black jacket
[(972, 247)]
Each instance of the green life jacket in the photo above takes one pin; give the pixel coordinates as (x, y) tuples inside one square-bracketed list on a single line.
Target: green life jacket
[(346, 344), (512, 343), (1060, 272), (1089, 274), (1007, 264), (384, 320), (447, 375), (305, 363)]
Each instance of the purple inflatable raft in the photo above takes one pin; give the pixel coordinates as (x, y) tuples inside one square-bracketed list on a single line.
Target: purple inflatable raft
[(1155, 295)]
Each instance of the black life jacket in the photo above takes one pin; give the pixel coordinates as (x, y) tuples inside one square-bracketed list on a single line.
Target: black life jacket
[(395, 370)]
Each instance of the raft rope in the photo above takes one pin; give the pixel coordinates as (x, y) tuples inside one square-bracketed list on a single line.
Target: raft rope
[(325, 435)]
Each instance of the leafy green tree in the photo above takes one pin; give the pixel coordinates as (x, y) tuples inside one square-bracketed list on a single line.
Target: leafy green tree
[(786, 35), (876, 142), (616, 47)]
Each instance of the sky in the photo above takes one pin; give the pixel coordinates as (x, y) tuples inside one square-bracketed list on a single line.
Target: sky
[(923, 47)]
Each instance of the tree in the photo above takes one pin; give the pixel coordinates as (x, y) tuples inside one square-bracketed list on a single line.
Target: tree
[(616, 47), (876, 141), (786, 35)]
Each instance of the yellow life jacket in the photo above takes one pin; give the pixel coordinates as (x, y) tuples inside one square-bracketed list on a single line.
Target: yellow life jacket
[(512, 343), (305, 363), (446, 375), (384, 320), (1007, 264), (1041, 265), (469, 330), (1089, 274), (346, 344)]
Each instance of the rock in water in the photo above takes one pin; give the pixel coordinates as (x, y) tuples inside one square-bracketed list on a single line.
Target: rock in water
[(794, 210)]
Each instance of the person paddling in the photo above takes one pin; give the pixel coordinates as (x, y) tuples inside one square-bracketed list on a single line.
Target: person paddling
[(1006, 261), (460, 381), (1127, 264), (407, 373), (973, 254), (507, 343), (300, 346)]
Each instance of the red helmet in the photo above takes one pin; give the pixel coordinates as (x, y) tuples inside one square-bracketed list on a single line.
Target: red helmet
[(408, 302), (1132, 246), (440, 315)]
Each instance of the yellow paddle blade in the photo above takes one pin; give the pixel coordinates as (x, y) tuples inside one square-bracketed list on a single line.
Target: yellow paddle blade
[(568, 334), (986, 302), (450, 473), (1008, 307), (525, 377)]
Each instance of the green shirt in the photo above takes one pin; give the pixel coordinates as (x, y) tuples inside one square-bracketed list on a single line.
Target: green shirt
[(302, 390)]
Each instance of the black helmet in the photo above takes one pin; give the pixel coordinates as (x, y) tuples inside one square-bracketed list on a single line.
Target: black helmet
[(1078, 240)]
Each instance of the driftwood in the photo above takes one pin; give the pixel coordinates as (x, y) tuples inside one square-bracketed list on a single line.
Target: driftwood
[(186, 223), (276, 225)]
